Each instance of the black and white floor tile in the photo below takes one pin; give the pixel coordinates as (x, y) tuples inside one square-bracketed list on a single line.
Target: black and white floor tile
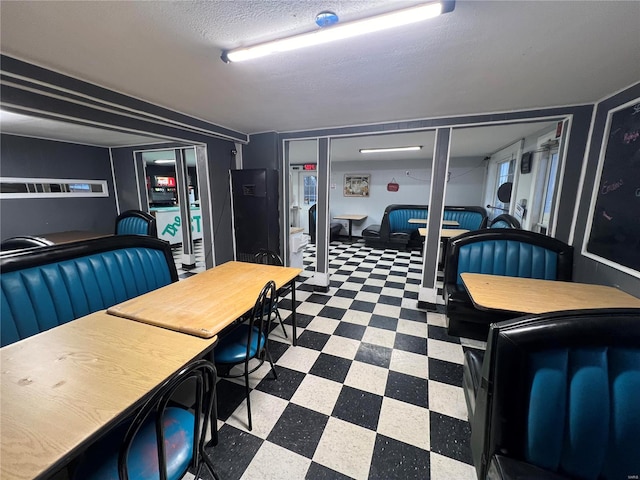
[(372, 391), (198, 250)]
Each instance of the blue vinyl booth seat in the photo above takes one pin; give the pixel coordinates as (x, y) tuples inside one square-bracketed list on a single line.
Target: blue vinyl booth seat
[(25, 241), (136, 222), (557, 396), (505, 221), (508, 252), (395, 231), (48, 286), (468, 218)]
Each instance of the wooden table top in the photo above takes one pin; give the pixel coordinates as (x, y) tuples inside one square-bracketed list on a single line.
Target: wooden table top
[(449, 223), (528, 295), (349, 216), (445, 232), (205, 303), (62, 387), (72, 236)]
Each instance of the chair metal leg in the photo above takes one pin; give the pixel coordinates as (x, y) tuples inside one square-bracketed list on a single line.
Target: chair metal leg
[(281, 323), (273, 368), (247, 391), (209, 465)]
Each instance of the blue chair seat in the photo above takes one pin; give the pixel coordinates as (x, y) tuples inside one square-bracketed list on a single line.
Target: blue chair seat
[(102, 463), (232, 348)]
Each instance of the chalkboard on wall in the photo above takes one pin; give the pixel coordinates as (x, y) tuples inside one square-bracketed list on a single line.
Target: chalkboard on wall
[(615, 222)]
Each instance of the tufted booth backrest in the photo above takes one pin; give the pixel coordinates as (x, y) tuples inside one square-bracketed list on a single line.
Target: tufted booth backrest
[(505, 221), (44, 288), (509, 258), (399, 218), (469, 218), (501, 224), (584, 411), (513, 253), (560, 391), (136, 222)]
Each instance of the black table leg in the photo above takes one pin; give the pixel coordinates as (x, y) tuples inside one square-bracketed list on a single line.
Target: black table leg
[(293, 312), (350, 226)]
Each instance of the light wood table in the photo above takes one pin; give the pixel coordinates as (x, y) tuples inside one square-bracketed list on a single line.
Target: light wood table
[(72, 236), (63, 388), (351, 218), (445, 233), (448, 223), (206, 303), (527, 295)]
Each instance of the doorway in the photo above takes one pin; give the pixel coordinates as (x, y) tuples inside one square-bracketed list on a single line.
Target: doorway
[(166, 190)]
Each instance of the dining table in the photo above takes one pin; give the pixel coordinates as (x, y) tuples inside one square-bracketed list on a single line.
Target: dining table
[(530, 295), (423, 221), (65, 387), (445, 233), (351, 217), (206, 303)]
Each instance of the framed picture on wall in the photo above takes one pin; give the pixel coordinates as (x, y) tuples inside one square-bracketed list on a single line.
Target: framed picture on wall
[(356, 185)]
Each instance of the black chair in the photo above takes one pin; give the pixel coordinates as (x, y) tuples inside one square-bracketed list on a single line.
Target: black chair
[(169, 437), (505, 221), (22, 242), (248, 341), (557, 397), (136, 222), (267, 257)]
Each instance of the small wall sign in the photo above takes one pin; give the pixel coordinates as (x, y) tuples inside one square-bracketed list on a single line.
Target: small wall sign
[(393, 186)]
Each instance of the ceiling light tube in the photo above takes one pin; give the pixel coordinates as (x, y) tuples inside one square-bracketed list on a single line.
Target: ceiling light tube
[(341, 30), (391, 149), (163, 162)]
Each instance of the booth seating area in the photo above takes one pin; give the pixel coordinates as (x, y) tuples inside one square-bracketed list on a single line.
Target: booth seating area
[(334, 227), (507, 252), (468, 218), (46, 287), (505, 221), (555, 397), (396, 232), (136, 222), (23, 241)]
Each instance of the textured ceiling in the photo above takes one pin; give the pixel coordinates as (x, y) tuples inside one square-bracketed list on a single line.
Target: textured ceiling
[(485, 56)]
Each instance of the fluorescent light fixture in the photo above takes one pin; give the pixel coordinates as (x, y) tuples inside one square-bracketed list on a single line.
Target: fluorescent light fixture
[(391, 149), (163, 162), (341, 30)]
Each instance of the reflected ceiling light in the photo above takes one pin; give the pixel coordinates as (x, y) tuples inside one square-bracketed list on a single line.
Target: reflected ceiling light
[(340, 31), (391, 149), (163, 162)]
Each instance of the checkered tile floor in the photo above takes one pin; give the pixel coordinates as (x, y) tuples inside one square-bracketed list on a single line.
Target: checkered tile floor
[(198, 250), (373, 389)]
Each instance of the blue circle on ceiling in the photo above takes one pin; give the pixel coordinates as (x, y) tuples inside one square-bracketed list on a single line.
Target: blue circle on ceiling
[(324, 19)]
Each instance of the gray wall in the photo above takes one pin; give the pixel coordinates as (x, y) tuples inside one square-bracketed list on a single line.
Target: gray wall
[(31, 157), (588, 270), (262, 151), (221, 160)]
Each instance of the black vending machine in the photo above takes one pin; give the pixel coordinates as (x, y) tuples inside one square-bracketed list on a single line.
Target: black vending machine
[(255, 211)]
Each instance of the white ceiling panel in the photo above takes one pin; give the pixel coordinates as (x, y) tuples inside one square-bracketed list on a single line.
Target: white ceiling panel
[(485, 56)]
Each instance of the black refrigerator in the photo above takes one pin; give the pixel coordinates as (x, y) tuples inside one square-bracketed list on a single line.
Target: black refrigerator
[(255, 211)]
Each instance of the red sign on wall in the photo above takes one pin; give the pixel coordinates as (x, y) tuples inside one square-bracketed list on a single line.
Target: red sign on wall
[(309, 166)]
